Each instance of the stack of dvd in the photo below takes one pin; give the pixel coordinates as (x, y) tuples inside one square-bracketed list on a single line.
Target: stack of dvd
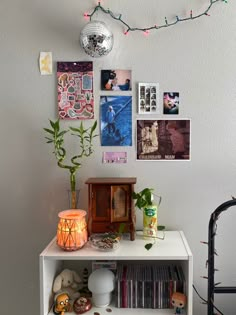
[(148, 286)]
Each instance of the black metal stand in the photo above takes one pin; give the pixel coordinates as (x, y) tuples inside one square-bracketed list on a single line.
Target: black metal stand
[(212, 289)]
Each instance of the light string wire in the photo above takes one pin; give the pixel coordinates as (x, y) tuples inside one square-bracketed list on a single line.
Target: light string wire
[(146, 30), (204, 277), (205, 301)]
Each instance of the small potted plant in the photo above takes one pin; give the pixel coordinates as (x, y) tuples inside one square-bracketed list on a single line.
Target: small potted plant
[(145, 202), (55, 136)]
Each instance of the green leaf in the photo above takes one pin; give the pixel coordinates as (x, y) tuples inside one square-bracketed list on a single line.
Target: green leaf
[(52, 124), (148, 246), (62, 133), (81, 128), (49, 131), (57, 125), (94, 126), (121, 228), (143, 198), (74, 129)]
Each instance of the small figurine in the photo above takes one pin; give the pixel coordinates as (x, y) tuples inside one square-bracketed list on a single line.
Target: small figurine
[(61, 304), (178, 300)]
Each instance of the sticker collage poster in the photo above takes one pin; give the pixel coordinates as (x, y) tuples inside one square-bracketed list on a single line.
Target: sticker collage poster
[(162, 139), (75, 90)]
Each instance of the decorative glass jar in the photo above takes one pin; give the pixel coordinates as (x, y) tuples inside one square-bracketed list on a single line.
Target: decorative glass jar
[(72, 229)]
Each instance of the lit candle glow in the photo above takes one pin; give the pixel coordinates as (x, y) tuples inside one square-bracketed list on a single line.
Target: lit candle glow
[(72, 229)]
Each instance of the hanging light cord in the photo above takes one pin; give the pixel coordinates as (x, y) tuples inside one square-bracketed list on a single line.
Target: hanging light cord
[(146, 30), (205, 301)]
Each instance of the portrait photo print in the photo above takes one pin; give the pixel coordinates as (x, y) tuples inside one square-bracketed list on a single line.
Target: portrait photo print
[(116, 80), (116, 120), (171, 103)]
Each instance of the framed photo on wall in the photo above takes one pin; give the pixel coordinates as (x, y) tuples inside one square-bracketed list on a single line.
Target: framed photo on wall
[(163, 139), (148, 98)]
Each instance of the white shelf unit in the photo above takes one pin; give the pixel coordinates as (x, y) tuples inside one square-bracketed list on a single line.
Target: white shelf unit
[(173, 249)]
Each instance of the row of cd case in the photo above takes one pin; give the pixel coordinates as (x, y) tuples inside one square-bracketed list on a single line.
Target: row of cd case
[(139, 286)]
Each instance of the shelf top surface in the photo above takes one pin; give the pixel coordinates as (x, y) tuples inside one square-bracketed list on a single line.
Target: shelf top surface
[(173, 247), (111, 180)]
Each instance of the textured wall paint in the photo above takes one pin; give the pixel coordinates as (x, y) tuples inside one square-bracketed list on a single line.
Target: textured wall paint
[(196, 58)]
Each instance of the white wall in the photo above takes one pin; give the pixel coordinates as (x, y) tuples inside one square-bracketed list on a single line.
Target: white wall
[(196, 58)]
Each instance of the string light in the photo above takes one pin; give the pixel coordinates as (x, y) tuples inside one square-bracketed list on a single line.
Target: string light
[(86, 16), (154, 27)]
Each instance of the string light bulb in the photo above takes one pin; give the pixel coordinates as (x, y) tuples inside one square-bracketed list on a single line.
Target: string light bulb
[(86, 16)]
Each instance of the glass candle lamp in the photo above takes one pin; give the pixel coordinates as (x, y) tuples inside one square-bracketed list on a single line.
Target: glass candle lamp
[(72, 229)]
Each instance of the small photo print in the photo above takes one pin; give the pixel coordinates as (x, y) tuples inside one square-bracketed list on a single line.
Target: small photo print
[(171, 103), (163, 140), (116, 120), (116, 80), (114, 157), (148, 100)]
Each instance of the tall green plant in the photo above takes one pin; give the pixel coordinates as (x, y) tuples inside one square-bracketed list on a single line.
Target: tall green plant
[(55, 136)]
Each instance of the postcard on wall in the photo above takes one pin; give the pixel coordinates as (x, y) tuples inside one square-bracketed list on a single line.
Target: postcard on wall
[(75, 90), (45, 62), (171, 103), (116, 120), (114, 157), (162, 139), (148, 98), (116, 80)]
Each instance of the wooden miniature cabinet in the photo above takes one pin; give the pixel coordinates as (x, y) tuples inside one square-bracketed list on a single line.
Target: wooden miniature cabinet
[(110, 203)]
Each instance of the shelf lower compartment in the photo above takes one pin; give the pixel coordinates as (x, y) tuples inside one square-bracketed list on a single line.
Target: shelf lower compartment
[(172, 250)]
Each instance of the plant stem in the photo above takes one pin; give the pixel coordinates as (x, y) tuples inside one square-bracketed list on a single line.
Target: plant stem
[(73, 199), (72, 179), (72, 187)]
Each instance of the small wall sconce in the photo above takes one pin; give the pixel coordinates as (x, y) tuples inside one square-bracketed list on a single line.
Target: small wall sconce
[(101, 283), (72, 229)]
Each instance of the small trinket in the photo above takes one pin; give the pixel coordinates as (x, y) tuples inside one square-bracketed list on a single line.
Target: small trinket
[(82, 305), (106, 241), (61, 304), (109, 310), (178, 300)]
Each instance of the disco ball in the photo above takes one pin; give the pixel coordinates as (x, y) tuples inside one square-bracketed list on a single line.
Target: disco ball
[(96, 39)]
